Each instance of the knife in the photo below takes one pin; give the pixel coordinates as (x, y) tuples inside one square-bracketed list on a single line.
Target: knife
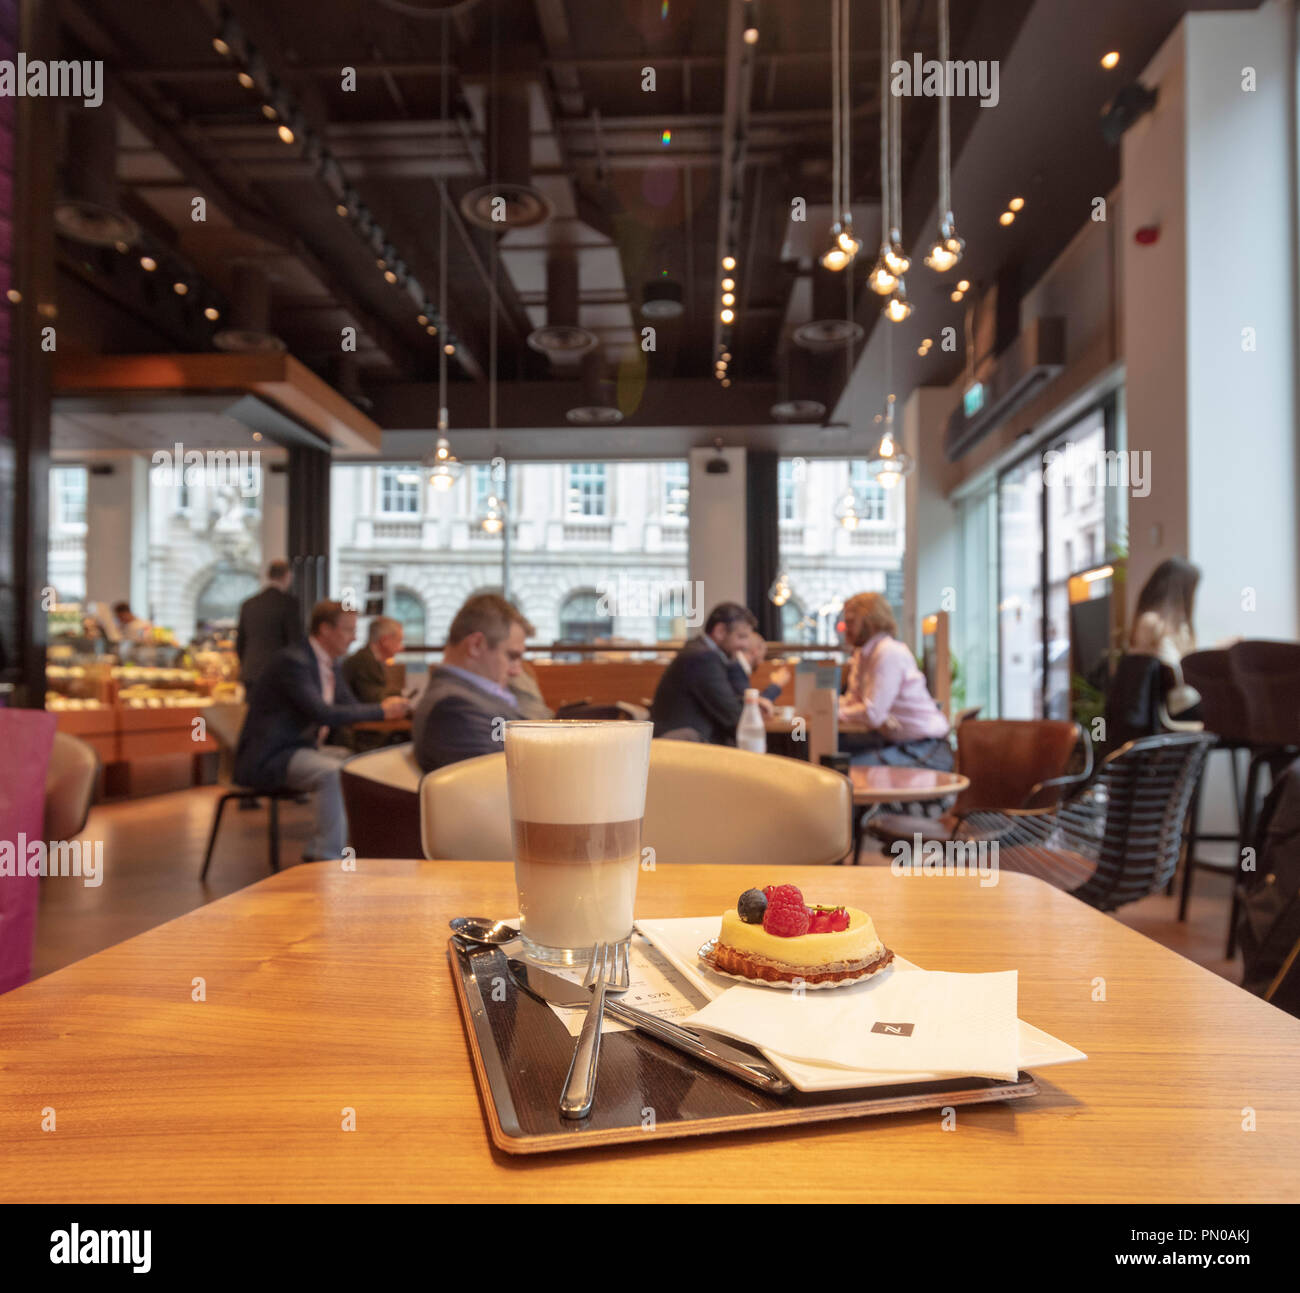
[(562, 992)]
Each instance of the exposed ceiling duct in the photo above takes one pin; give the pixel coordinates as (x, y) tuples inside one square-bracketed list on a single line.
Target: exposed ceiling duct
[(596, 406), (89, 211), (832, 325), (561, 338), (250, 312), (508, 200)]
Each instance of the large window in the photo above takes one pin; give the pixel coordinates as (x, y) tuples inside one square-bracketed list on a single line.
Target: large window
[(399, 490), (594, 530), (586, 496), (67, 545), (825, 561)]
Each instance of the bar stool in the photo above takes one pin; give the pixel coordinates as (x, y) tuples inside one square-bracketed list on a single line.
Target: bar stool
[(1223, 709), (1268, 674)]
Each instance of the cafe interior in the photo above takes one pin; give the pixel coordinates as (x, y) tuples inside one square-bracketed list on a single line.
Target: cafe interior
[(487, 486)]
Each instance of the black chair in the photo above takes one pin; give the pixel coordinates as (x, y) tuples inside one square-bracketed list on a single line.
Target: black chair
[(1116, 840), (223, 724)]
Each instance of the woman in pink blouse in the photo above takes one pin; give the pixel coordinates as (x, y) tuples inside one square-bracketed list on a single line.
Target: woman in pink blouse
[(887, 692)]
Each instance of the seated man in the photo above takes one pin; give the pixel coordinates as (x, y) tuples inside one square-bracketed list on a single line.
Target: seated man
[(742, 668), (697, 690), (366, 672), (467, 700), (300, 695)]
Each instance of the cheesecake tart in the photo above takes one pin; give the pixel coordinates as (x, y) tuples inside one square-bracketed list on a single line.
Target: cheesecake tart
[(771, 936)]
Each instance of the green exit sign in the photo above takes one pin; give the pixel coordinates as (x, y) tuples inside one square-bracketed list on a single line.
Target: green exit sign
[(973, 400)]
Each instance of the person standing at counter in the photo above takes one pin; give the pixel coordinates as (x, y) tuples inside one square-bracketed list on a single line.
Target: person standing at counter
[(268, 622), (300, 695), (887, 692)]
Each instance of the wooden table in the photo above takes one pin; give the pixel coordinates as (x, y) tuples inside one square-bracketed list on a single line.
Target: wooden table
[(329, 989), (884, 785)]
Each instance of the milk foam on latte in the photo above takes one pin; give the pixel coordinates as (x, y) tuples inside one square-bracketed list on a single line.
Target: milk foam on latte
[(577, 798)]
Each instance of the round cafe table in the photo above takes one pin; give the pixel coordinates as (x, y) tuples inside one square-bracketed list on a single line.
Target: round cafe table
[(873, 786)]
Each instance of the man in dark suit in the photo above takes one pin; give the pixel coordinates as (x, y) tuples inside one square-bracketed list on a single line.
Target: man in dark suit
[(698, 690), (268, 621), (299, 697), (366, 672), (468, 701)]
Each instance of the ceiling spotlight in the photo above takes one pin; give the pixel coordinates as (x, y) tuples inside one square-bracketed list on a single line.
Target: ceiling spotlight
[(245, 80), (180, 288), (211, 313), (726, 381), (726, 356), (269, 112), (422, 319), (728, 284), (728, 299), (121, 246), (1016, 204), (1109, 60), (897, 309), (955, 297), (148, 262), (882, 279), (341, 208), (963, 286), (728, 262), (257, 435), (751, 24), (222, 48), (923, 350), (449, 348), (285, 134), (727, 316), (431, 330), (381, 263), (1006, 217), (14, 295), (390, 276)]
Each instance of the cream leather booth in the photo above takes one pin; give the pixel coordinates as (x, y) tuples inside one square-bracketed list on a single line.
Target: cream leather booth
[(381, 795), (704, 803)]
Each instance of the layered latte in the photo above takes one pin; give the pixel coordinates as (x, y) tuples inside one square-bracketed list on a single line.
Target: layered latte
[(577, 799)]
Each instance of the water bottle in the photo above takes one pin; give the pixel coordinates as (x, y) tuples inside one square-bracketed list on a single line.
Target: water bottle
[(751, 735)]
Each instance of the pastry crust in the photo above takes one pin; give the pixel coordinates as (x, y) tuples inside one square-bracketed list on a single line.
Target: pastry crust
[(749, 966)]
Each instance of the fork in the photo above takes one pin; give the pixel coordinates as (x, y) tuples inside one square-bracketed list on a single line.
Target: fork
[(580, 1083)]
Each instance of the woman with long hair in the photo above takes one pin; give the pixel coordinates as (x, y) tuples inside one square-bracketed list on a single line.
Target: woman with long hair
[(1162, 627), (887, 692)]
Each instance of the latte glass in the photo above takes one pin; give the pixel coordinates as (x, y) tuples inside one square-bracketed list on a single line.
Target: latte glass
[(577, 800)]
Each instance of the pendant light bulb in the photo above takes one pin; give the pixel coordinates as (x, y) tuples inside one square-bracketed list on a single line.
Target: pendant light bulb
[(883, 280), (848, 242), (898, 307), (836, 257), (894, 256)]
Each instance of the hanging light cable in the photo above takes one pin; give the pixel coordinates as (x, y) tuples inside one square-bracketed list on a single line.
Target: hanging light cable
[(836, 256), (847, 240), (883, 280), (444, 467), (947, 249), (898, 308)]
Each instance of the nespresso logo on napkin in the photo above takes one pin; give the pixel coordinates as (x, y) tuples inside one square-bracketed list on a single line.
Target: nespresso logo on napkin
[(898, 1030)]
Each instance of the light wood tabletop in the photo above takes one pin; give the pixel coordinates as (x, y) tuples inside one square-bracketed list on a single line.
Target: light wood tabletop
[(329, 990), (885, 785)]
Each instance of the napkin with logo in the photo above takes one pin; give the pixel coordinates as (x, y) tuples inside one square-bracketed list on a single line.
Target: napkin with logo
[(926, 1021)]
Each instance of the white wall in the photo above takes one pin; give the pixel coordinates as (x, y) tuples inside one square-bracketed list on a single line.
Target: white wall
[(717, 536), (117, 534)]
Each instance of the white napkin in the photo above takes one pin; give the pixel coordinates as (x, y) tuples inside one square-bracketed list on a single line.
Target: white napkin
[(961, 1024)]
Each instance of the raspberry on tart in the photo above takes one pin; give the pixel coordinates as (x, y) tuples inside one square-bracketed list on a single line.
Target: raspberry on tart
[(783, 940)]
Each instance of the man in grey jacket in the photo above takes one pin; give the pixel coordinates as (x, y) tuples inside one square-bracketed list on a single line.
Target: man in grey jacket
[(468, 699)]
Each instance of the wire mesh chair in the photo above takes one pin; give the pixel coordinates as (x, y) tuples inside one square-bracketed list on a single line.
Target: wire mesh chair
[(1116, 840)]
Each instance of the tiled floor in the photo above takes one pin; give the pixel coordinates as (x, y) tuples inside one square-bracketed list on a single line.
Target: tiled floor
[(153, 849)]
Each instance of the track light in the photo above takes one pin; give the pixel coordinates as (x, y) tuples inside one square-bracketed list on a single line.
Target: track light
[(728, 262)]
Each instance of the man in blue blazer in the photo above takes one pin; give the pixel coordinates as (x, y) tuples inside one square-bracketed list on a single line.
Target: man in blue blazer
[(301, 695)]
